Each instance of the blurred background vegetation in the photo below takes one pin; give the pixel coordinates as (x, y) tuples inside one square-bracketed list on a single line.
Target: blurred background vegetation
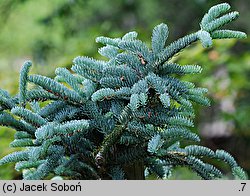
[(52, 33)]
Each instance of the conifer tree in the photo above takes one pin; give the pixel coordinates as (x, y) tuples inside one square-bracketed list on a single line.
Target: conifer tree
[(123, 118)]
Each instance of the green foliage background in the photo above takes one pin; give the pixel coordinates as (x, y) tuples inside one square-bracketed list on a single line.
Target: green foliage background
[(52, 33)]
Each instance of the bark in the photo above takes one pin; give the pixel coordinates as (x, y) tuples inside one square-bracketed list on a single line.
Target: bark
[(134, 171)]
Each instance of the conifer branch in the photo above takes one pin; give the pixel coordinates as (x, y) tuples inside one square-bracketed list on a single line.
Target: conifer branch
[(40, 95), (70, 79), (29, 116), (159, 37), (6, 102), (108, 142), (224, 34), (130, 109), (9, 121), (23, 82), (56, 88)]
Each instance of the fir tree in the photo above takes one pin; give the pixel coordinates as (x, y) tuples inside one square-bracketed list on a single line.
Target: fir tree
[(116, 119)]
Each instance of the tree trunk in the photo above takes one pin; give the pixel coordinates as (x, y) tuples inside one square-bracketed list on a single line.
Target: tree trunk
[(134, 171)]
